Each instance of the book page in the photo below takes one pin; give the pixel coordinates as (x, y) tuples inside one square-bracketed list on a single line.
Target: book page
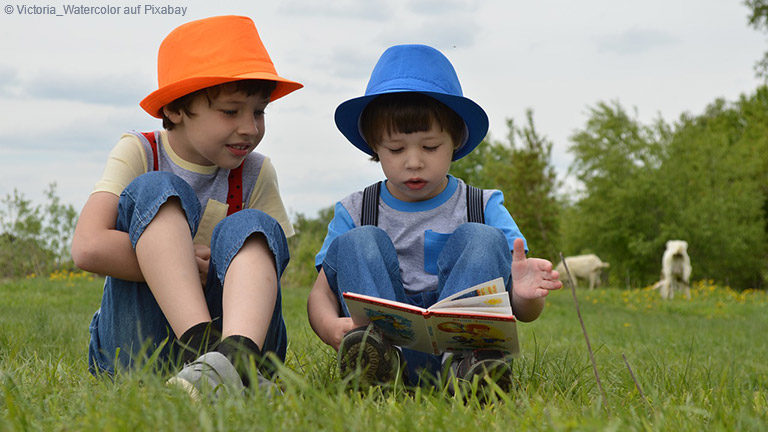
[(491, 287), (460, 333), (479, 310), (490, 303), (403, 325)]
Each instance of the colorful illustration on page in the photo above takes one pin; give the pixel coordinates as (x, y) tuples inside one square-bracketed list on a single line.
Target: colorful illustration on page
[(396, 326), (473, 335)]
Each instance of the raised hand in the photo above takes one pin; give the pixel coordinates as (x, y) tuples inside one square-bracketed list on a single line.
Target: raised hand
[(532, 278)]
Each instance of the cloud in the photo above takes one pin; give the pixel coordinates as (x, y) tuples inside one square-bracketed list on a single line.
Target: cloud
[(9, 82), (68, 139), (40, 126), (443, 33), (352, 63), (107, 90), (435, 7), (376, 10), (103, 89), (634, 41)]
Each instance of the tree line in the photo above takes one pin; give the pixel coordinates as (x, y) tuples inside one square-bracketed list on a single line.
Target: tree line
[(702, 178)]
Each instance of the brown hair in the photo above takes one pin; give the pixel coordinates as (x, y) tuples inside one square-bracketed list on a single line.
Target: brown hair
[(250, 87), (408, 112)]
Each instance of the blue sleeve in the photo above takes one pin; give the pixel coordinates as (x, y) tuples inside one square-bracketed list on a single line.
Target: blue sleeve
[(341, 223), (498, 216)]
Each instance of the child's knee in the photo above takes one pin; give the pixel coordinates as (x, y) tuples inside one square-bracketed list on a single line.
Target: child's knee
[(475, 245), (367, 242), (157, 183), (253, 230), (142, 200), (243, 224), (480, 235), (257, 247), (364, 235)]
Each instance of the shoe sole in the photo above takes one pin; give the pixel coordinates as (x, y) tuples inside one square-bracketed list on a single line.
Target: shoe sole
[(364, 351), (185, 385), (498, 371)]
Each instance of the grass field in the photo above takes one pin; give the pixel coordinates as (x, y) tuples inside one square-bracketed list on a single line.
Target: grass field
[(701, 365)]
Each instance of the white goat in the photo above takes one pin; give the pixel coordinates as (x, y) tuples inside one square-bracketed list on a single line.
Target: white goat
[(675, 270), (587, 267)]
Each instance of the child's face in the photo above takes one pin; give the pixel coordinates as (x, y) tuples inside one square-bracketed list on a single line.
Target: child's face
[(221, 133), (416, 164)]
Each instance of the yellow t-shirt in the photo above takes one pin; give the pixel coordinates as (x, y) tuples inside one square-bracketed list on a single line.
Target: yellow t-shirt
[(128, 160)]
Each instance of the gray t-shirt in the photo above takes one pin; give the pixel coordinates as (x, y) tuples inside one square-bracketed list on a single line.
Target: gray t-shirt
[(420, 229)]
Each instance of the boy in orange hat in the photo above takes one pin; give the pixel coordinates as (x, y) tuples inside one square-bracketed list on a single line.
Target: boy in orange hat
[(189, 276)]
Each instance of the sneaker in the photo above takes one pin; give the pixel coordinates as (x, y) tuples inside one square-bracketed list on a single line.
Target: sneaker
[(365, 350), (252, 366), (496, 365), (211, 373)]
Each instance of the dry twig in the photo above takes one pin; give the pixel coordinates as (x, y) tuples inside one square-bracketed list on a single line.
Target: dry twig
[(637, 384), (584, 330)]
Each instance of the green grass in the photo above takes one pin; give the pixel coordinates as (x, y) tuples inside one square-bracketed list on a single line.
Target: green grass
[(701, 364)]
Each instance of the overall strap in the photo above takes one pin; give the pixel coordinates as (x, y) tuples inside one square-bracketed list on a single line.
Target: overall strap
[(370, 210), (235, 180), (235, 192), (150, 136), (475, 211)]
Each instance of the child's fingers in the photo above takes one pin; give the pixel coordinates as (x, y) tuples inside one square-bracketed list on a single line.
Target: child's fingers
[(552, 285), (203, 252), (518, 250), (202, 264)]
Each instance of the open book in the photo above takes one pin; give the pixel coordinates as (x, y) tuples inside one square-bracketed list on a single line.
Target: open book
[(483, 321)]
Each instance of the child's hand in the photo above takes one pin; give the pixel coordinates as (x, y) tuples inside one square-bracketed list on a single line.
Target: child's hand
[(337, 331), (203, 258), (532, 277)]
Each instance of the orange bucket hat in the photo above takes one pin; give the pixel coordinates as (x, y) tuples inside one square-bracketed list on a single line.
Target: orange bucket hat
[(209, 52)]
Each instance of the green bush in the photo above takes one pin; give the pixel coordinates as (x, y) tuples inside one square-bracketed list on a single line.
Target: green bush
[(35, 239), (304, 246)]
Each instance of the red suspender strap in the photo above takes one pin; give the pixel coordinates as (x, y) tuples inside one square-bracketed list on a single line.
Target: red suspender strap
[(150, 136), (235, 192)]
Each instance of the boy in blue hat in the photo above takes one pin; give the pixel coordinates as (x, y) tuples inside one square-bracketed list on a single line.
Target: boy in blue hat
[(415, 237)]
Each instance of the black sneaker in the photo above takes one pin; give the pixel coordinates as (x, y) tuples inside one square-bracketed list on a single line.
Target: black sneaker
[(496, 365), (365, 350)]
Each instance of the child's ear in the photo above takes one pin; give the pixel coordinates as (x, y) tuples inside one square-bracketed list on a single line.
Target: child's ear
[(173, 116)]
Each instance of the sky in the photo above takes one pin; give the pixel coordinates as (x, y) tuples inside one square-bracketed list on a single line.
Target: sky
[(70, 84)]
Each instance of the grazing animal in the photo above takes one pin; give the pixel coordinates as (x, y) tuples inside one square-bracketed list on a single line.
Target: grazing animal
[(587, 267), (675, 270)]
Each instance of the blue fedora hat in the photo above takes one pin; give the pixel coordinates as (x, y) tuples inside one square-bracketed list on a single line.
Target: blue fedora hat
[(419, 69)]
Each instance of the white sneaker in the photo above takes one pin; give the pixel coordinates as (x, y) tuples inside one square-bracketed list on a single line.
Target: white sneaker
[(211, 373)]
